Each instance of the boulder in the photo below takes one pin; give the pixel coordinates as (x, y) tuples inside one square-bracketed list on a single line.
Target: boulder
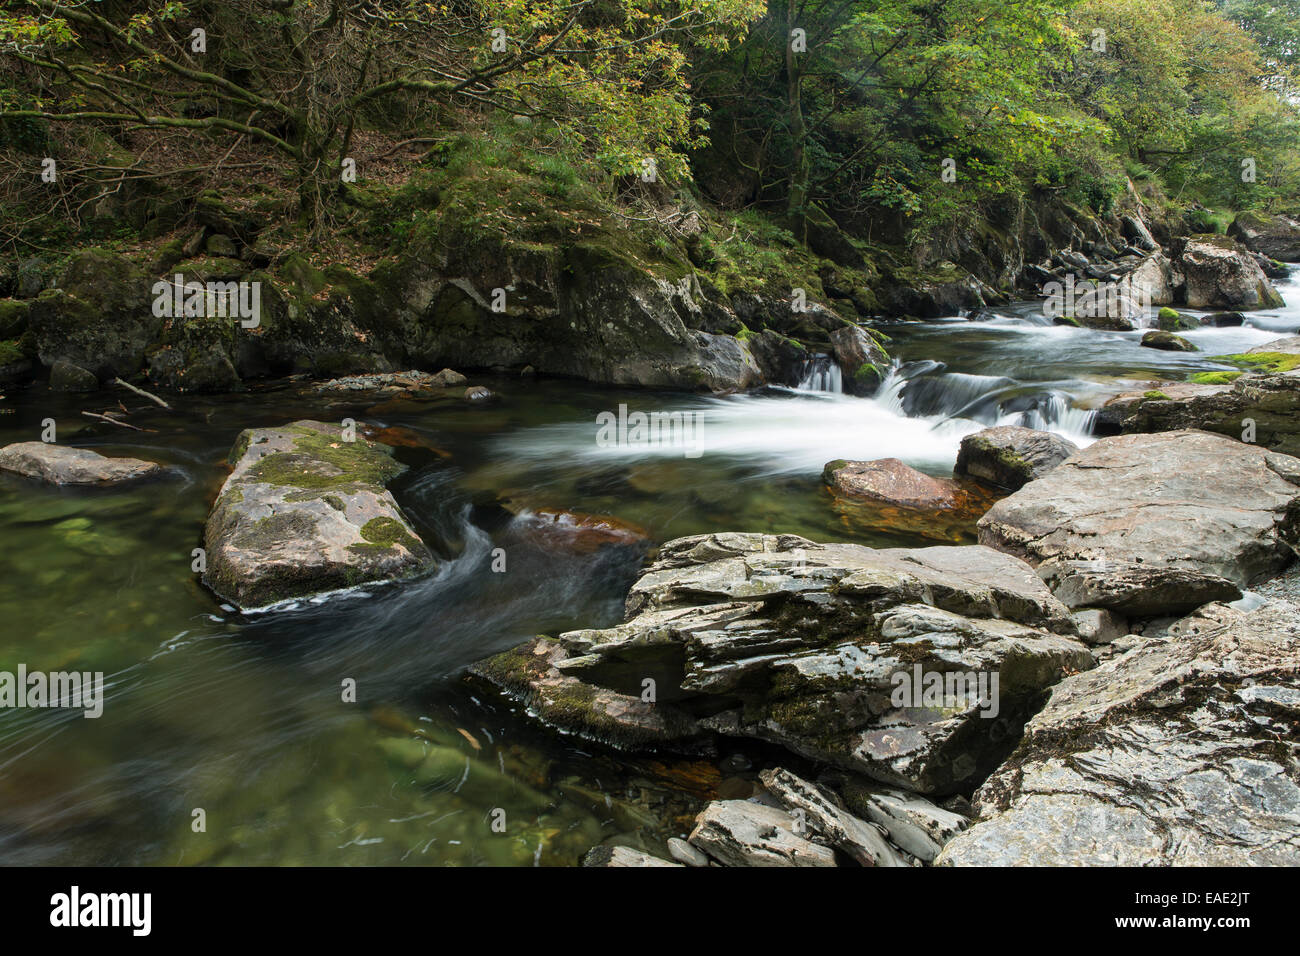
[(863, 363), (1167, 342), (1146, 505), (1277, 237), (305, 511), (741, 833), (1222, 275), (1178, 753), (825, 649), (1263, 409), (66, 377), (60, 465), (1170, 320), (1220, 320), (1008, 456), (99, 318), (1154, 277), (890, 481)]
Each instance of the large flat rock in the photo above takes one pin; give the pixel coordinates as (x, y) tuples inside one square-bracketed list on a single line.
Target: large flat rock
[(1139, 505), (1181, 752), (816, 647), (305, 511)]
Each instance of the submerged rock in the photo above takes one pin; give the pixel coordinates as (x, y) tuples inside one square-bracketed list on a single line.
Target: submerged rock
[(394, 383), (742, 833), (303, 512), (60, 465), (1009, 456), (1178, 753), (890, 481), (912, 666), (1195, 505)]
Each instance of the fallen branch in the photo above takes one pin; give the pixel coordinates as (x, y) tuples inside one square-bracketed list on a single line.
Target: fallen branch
[(142, 392), (114, 421)]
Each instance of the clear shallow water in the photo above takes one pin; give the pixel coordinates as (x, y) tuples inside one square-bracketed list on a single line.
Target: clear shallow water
[(243, 717)]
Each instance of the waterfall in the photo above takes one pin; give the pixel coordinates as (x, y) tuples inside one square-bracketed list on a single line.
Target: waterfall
[(821, 374)]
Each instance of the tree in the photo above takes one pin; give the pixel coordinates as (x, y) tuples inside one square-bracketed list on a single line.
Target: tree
[(300, 77)]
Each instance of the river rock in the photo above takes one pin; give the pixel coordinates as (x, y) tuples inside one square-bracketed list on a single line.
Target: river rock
[(530, 673), (741, 833), (863, 363), (1178, 753), (621, 856), (1222, 275), (1187, 504), (394, 383), (60, 465), (821, 811), (1263, 409), (912, 822), (1154, 276), (890, 481), (305, 511), (684, 853), (807, 645), (99, 318), (1008, 456), (1277, 237), (1167, 342), (66, 377)]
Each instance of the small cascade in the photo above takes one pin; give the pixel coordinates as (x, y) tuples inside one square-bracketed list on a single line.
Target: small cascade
[(1055, 413), (821, 374)]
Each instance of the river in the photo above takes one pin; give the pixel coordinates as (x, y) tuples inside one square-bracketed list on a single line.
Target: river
[(242, 717)]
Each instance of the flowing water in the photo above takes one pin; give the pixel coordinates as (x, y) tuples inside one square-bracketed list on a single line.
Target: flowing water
[(242, 717)]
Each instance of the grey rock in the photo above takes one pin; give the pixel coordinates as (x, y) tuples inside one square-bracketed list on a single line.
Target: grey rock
[(1010, 456), (1222, 275), (805, 644), (616, 856), (818, 809), (61, 465), (912, 822), (1180, 752), (742, 833), (305, 511), (1135, 588), (1167, 342), (1277, 237), (66, 377), (1186, 500), (1098, 625), (684, 853)]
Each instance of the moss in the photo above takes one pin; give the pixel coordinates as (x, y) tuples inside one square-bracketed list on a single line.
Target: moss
[(354, 464), (1155, 396), (1264, 361), (11, 352), (13, 317), (1215, 378), (383, 533), (1167, 314)]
